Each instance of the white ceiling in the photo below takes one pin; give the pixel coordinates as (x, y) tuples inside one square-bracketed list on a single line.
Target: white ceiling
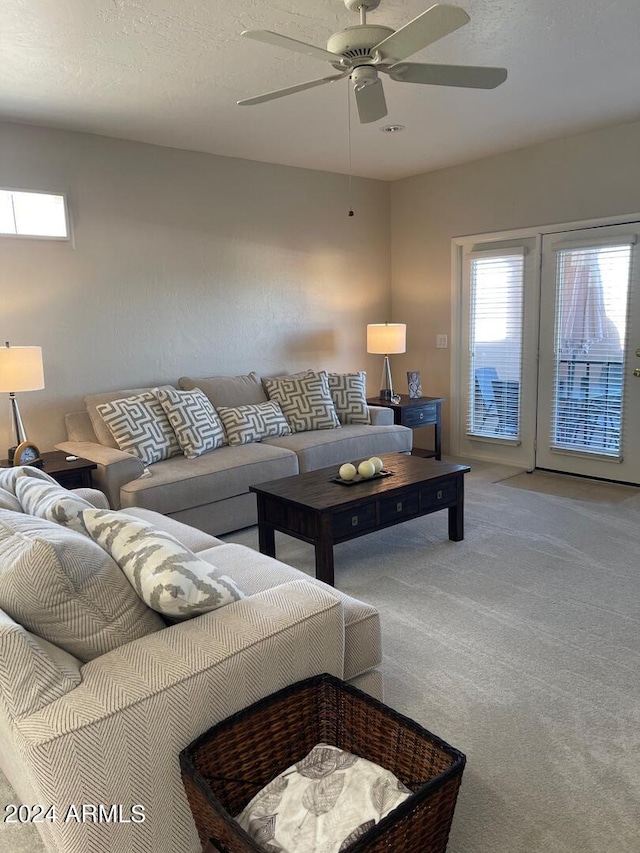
[(170, 72)]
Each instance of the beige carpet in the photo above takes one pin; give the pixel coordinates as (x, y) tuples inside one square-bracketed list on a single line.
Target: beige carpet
[(520, 646)]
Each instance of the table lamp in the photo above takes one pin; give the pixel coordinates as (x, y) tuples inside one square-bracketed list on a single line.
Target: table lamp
[(386, 339), (20, 370)]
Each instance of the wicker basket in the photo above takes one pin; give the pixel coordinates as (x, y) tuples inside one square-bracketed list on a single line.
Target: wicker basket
[(224, 768)]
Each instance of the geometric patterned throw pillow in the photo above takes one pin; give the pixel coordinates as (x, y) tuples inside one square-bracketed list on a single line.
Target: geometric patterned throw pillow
[(246, 424), (305, 400), (168, 577), (349, 394), (194, 420), (140, 426)]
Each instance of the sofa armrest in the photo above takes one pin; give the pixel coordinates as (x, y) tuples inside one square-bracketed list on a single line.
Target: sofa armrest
[(115, 467), (381, 415), (232, 656)]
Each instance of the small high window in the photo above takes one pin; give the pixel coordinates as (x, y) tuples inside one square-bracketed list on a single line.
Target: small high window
[(33, 214)]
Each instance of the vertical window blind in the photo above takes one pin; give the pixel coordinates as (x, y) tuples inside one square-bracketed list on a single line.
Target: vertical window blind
[(496, 280), (592, 293)]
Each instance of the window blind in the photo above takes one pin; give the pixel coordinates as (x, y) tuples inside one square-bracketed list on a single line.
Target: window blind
[(496, 280), (592, 293)]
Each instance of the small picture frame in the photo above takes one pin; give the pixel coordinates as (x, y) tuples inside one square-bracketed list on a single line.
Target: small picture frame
[(415, 384)]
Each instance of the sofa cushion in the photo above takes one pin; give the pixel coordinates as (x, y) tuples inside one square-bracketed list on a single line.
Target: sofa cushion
[(51, 501), (63, 587), (178, 484), (228, 391), (349, 395), (166, 575), (92, 401), (255, 572), (195, 422), (305, 401), (320, 449), (141, 427), (246, 424)]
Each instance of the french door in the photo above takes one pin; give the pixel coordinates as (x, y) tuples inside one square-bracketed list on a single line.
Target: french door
[(547, 371), (588, 413)]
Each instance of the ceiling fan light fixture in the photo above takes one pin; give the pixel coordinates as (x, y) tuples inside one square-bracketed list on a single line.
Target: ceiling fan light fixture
[(392, 128)]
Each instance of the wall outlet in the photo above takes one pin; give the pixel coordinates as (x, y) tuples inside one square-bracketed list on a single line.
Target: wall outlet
[(441, 342)]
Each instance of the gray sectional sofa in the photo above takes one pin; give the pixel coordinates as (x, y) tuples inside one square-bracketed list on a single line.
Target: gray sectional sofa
[(211, 492), (106, 728)]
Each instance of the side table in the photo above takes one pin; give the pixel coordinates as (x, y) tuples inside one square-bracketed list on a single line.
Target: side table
[(416, 413), (72, 474)]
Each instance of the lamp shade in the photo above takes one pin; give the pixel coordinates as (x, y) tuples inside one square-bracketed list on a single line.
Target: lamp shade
[(386, 338), (21, 369)]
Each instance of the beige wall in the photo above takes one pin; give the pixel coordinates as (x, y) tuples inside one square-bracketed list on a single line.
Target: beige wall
[(184, 263), (581, 177)]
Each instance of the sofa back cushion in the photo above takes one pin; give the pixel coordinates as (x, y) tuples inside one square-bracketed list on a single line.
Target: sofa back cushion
[(66, 589), (140, 426), (230, 391)]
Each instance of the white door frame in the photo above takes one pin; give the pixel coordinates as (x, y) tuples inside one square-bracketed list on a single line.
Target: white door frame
[(491, 450)]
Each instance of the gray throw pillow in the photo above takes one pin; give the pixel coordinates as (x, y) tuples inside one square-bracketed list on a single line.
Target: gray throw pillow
[(305, 401), (349, 395), (52, 501), (140, 427), (246, 424), (194, 420)]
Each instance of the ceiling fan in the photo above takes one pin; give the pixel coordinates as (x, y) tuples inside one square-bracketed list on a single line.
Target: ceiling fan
[(361, 51)]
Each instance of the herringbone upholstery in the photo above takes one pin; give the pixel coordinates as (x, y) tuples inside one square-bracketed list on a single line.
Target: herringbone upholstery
[(67, 589), (115, 738), (246, 424), (194, 420), (305, 400), (140, 426)]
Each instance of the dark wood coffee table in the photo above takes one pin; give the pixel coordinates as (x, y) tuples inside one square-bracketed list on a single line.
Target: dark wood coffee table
[(314, 509)]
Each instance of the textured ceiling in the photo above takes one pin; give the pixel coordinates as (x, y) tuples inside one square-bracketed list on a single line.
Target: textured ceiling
[(170, 72)]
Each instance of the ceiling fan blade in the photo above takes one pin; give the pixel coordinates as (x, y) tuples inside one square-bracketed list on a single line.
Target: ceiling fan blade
[(370, 102), (290, 90), (278, 40), (436, 22), (468, 76)]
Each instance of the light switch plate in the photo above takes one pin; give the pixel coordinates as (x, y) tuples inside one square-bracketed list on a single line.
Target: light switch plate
[(441, 342)]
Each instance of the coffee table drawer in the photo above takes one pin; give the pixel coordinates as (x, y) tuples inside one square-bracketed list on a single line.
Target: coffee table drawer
[(440, 495), (352, 520), (402, 506)]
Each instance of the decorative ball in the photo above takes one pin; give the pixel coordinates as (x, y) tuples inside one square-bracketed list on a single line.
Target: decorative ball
[(366, 469), (377, 463), (347, 471)]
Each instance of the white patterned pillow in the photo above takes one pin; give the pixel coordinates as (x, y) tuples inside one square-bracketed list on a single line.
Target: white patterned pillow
[(246, 424), (194, 420), (140, 426), (349, 395), (52, 501), (9, 501), (305, 400), (168, 577), (326, 801)]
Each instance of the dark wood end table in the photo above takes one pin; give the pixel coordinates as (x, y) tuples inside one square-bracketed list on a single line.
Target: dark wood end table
[(314, 509), (70, 473), (417, 412)]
